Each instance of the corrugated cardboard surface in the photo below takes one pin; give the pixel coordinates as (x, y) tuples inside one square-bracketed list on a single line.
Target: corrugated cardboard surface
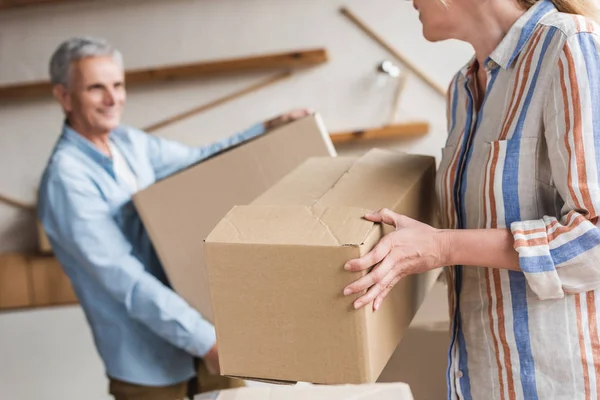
[(381, 391), (180, 211), (276, 271), (421, 358)]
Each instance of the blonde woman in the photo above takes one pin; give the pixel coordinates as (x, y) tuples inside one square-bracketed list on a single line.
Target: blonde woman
[(520, 198)]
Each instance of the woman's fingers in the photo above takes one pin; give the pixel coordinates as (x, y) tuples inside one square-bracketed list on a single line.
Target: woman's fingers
[(384, 215), (378, 253), (373, 292), (370, 279), (379, 299), (375, 281)]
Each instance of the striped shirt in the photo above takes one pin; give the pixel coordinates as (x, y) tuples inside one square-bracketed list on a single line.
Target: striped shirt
[(528, 160)]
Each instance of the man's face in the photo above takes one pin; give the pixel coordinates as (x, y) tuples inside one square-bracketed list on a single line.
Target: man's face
[(95, 95)]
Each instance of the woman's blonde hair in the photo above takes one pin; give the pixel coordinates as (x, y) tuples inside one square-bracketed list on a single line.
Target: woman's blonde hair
[(587, 8)]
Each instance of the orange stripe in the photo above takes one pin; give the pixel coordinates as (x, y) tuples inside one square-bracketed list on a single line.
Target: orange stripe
[(452, 183), (576, 18), (530, 231), (448, 191), (577, 132), (494, 212), (502, 334), (566, 229), (590, 26), (593, 324), (586, 375), (563, 87), (491, 318), (485, 189), (516, 100), (531, 242)]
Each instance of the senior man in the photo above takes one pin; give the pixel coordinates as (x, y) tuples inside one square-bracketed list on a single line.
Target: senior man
[(153, 344)]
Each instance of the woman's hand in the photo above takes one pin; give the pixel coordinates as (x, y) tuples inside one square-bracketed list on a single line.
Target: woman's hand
[(412, 248)]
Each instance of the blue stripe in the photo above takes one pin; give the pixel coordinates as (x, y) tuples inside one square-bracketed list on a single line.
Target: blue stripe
[(519, 128), (510, 188), (454, 105), (576, 247), (542, 9), (510, 176), (459, 187), (518, 291), (592, 64), (463, 188), (465, 381), (536, 264)]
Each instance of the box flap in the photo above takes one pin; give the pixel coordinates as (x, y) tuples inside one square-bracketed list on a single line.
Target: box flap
[(322, 202), (293, 225)]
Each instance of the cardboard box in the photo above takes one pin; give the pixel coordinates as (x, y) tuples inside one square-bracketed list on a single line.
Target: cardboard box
[(50, 285), (276, 271), (15, 290), (421, 358), (380, 391), (180, 211)]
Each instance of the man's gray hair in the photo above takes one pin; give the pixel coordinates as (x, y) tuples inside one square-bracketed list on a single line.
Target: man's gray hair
[(75, 49)]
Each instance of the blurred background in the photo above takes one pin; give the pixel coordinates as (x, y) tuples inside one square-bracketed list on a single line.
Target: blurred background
[(363, 69)]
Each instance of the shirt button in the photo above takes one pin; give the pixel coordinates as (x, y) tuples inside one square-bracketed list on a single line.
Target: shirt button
[(491, 64), (459, 374)]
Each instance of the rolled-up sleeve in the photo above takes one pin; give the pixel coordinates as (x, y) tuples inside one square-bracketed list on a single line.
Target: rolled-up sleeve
[(79, 221), (562, 255)]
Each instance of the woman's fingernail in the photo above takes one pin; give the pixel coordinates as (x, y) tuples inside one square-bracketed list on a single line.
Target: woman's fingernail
[(347, 291), (347, 267), (357, 305), (377, 305)]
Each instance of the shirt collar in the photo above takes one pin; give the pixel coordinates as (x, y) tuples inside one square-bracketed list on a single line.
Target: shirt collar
[(516, 38), (70, 135)]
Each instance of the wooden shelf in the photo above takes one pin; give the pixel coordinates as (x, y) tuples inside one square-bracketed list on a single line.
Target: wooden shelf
[(31, 280), (394, 131), (274, 61), (5, 4)]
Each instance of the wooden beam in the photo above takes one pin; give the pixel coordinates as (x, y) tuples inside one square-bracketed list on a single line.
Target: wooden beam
[(395, 131), (407, 63), (5, 4), (274, 61), (217, 102)]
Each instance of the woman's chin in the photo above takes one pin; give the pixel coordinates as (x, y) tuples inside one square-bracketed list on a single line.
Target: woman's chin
[(432, 36)]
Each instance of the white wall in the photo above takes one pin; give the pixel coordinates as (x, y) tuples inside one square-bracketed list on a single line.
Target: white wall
[(49, 354)]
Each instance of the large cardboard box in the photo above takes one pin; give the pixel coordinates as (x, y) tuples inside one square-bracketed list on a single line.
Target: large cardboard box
[(380, 391), (181, 210), (277, 277)]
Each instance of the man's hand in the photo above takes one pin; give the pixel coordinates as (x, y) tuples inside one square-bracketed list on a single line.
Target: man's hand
[(286, 118), (211, 360)]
